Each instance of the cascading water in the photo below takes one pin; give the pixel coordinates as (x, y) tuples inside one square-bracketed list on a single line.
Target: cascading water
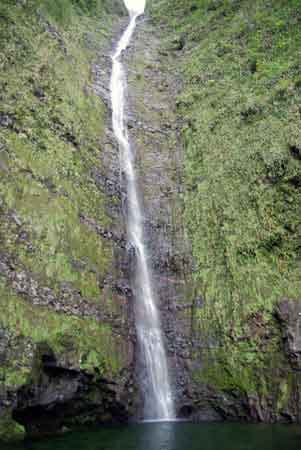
[(158, 403)]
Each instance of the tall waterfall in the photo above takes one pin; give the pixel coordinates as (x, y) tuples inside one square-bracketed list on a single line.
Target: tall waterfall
[(158, 403)]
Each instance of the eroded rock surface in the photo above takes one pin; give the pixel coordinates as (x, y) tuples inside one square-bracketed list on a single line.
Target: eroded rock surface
[(66, 324)]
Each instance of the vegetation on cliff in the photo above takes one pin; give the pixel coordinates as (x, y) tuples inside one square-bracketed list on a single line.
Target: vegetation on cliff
[(51, 122), (239, 112), (240, 104)]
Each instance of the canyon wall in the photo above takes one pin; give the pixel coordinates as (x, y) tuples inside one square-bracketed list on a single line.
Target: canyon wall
[(238, 111), (66, 345), (213, 109)]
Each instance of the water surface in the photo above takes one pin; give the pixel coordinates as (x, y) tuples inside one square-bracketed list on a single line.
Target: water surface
[(175, 436)]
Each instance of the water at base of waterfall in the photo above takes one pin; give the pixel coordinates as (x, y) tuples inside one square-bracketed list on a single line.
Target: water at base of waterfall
[(158, 402), (173, 436)]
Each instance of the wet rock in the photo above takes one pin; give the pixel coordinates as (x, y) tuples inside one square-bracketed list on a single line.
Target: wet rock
[(289, 314), (153, 131), (62, 398)]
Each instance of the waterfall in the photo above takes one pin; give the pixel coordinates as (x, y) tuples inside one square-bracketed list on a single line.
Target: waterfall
[(158, 403)]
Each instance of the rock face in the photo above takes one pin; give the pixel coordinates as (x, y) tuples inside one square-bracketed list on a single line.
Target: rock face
[(62, 397), (220, 215), (66, 325), (153, 128), (241, 207), (289, 315)]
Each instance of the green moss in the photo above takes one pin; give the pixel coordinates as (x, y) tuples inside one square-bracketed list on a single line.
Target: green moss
[(10, 430), (13, 375), (83, 343), (249, 366), (50, 144), (240, 379), (284, 394), (51, 126), (240, 106)]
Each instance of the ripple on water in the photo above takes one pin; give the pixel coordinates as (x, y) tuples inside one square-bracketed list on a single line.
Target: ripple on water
[(175, 436)]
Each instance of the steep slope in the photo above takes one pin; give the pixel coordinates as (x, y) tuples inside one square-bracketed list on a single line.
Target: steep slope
[(214, 117), (240, 112), (154, 132), (65, 345)]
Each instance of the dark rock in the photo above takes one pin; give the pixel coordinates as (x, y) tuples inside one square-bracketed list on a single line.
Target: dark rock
[(295, 181), (289, 314), (63, 398), (107, 234), (69, 137), (39, 93), (6, 120)]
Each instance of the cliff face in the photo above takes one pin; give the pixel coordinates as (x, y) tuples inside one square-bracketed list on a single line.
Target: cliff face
[(238, 111), (155, 133), (213, 105), (66, 349)]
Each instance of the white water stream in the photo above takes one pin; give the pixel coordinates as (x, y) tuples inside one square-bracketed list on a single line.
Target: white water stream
[(158, 403)]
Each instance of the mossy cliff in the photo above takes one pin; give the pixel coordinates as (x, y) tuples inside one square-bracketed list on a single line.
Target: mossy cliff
[(239, 113), (62, 310), (214, 117)]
